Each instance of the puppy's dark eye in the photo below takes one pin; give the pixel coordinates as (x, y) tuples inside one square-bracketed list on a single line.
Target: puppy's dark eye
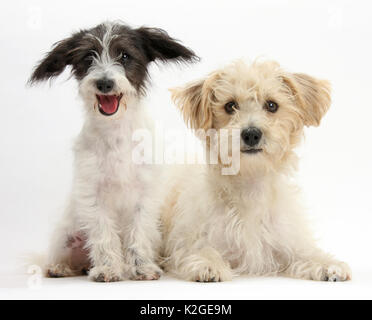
[(231, 107), (88, 59), (271, 106), (124, 57)]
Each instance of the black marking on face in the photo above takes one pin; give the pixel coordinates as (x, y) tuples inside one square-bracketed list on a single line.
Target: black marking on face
[(133, 49)]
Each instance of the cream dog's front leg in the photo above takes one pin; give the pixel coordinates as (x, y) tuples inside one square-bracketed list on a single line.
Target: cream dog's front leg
[(301, 257), (317, 265), (202, 265)]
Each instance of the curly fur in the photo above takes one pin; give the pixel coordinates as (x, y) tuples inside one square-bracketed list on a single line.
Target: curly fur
[(109, 227), (217, 226)]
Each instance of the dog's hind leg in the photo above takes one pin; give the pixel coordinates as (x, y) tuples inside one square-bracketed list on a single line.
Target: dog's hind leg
[(67, 256)]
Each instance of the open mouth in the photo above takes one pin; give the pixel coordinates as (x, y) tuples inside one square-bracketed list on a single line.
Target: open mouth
[(251, 151), (108, 104)]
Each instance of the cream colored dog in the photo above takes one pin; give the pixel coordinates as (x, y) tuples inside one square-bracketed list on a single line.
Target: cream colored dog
[(216, 226)]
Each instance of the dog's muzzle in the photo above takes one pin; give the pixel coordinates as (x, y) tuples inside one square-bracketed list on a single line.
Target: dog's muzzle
[(108, 104), (251, 138)]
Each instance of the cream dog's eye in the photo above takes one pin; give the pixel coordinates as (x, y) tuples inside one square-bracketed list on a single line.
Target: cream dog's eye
[(231, 107), (271, 106)]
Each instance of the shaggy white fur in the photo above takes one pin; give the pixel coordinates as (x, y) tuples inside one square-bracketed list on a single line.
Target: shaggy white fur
[(216, 226), (109, 226), (109, 204)]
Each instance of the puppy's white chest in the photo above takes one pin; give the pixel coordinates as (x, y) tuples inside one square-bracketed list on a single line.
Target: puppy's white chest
[(240, 233), (121, 183)]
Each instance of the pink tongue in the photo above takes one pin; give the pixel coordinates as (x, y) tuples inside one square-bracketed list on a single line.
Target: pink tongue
[(109, 104)]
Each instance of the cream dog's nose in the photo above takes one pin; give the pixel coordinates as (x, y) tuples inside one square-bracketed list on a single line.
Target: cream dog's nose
[(251, 136)]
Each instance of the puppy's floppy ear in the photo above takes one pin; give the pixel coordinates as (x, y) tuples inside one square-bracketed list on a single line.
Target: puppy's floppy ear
[(159, 45), (56, 60), (312, 96), (194, 101)]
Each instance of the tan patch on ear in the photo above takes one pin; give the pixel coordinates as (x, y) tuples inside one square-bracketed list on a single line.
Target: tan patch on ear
[(312, 96), (194, 101)]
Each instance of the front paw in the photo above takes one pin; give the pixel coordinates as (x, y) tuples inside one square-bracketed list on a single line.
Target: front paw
[(105, 274), (339, 271), (148, 271), (212, 274)]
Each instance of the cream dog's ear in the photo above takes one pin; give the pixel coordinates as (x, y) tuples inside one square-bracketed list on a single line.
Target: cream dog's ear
[(312, 96), (194, 101)]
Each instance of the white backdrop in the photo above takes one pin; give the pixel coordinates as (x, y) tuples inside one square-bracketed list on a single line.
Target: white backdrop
[(327, 39)]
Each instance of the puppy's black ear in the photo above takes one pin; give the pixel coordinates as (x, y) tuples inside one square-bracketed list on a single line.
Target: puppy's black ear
[(159, 45), (56, 60)]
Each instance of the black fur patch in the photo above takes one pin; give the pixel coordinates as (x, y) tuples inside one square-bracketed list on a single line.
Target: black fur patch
[(133, 48)]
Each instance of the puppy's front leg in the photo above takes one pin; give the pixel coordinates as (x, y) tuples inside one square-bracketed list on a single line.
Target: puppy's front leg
[(297, 251), (105, 247), (201, 265), (302, 259), (142, 239), (318, 266)]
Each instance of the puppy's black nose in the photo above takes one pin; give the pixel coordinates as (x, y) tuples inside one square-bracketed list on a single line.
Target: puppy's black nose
[(251, 136), (105, 85)]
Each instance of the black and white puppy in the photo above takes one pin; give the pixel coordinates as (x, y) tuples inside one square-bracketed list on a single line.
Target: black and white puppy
[(108, 227)]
